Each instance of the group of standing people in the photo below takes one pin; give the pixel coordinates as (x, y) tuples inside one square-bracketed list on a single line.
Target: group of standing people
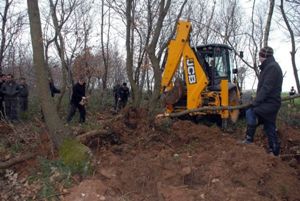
[(79, 99), (13, 96)]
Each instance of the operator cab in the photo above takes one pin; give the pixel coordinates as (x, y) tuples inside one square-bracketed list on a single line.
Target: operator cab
[(217, 62)]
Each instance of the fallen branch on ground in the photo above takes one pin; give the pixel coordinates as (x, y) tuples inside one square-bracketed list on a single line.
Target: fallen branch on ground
[(288, 155), (16, 160), (218, 108), (286, 98), (83, 138)]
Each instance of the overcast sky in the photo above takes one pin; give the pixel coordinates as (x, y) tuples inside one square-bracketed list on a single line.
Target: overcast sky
[(280, 42)]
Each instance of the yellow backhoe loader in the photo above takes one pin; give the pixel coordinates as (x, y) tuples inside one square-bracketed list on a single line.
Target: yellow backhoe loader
[(198, 77)]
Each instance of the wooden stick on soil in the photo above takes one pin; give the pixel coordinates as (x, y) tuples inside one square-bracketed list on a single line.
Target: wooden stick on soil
[(83, 138), (216, 108), (16, 160)]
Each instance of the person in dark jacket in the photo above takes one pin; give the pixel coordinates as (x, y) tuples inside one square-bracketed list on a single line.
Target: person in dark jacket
[(123, 94), (292, 93), (53, 89), (78, 100), (267, 102), (115, 91), (10, 89), (23, 95), (2, 80)]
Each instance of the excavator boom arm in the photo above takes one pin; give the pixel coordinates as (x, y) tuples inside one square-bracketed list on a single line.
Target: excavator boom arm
[(179, 50)]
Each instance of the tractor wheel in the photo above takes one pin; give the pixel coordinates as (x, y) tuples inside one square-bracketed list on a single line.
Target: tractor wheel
[(233, 101)]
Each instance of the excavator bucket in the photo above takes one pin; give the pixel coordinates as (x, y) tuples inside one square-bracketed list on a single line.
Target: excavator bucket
[(173, 96)]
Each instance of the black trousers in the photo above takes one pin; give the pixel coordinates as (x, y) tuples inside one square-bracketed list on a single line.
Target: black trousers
[(2, 114), (72, 112), (11, 108), (23, 101)]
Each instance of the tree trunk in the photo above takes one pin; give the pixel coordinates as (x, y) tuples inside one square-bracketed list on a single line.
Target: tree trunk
[(268, 24), (3, 34), (56, 128), (163, 9), (293, 52), (129, 56), (104, 50), (60, 46)]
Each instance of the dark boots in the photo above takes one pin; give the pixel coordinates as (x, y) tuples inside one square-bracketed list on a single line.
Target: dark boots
[(274, 145), (250, 134)]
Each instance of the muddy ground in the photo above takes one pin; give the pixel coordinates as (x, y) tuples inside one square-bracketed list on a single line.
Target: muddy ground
[(174, 160)]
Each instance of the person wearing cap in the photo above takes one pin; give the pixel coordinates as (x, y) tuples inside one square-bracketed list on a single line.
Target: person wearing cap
[(266, 104), (78, 100)]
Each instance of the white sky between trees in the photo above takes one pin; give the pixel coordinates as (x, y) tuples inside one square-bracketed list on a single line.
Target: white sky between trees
[(279, 40)]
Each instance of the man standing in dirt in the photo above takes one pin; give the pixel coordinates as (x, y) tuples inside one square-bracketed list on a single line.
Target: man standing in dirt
[(23, 95), (267, 102), (115, 91), (2, 80), (292, 93), (123, 94), (78, 101), (10, 89), (52, 88)]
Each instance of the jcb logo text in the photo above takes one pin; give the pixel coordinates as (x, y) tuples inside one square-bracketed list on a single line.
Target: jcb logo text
[(191, 71)]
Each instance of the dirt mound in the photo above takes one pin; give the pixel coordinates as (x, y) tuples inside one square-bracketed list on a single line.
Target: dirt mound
[(167, 160), (186, 161)]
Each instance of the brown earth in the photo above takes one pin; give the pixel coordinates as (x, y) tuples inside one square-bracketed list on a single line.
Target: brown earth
[(189, 162), (183, 161)]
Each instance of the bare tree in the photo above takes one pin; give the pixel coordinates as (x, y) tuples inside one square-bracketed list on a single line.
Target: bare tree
[(293, 51), (57, 130), (104, 48), (268, 23), (11, 25), (67, 8)]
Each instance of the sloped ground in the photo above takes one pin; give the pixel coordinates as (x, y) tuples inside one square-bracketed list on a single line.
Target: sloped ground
[(179, 161), (188, 162)]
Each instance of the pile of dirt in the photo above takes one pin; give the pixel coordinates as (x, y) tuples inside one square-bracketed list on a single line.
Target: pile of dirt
[(186, 161), (166, 160)]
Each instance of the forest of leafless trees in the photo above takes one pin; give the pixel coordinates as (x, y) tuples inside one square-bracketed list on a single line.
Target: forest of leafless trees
[(112, 41)]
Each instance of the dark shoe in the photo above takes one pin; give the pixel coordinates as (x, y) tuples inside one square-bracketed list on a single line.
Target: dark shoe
[(250, 132), (246, 142)]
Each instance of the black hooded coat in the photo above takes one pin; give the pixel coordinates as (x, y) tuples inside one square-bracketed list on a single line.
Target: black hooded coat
[(268, 96)]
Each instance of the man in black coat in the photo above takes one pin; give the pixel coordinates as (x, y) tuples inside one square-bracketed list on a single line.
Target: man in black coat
[(267, 102), (116, 91), (2, 80), (53, 89), (123, 94), (292, 93), (78, 101), (23, 95), (10, 89)]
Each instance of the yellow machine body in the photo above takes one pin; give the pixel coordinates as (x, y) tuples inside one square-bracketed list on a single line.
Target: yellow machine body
[(194, 91)]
